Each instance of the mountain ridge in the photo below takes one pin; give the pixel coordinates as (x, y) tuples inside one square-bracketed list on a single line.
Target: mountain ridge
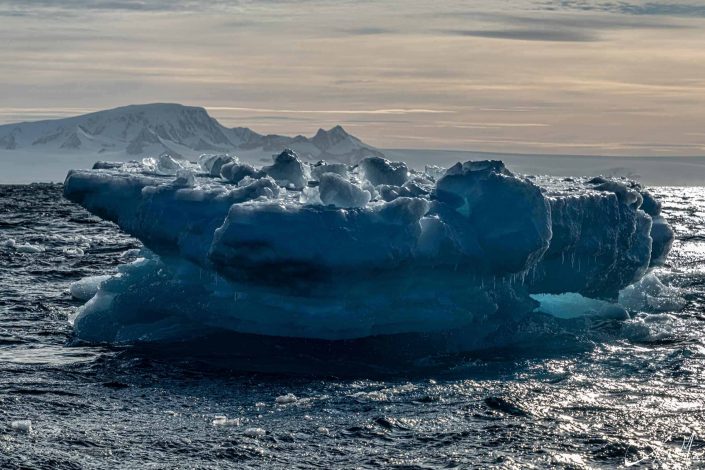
[(141, 130)]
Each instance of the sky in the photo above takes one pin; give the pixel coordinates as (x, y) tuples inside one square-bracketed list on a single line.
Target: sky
[(523, 76)]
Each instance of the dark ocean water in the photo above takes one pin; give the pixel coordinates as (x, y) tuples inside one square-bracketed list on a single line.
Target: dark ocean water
[(578, 394)]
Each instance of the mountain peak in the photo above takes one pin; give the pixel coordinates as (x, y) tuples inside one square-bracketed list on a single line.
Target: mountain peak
[(154, 128), (333, 131), (328, 138)]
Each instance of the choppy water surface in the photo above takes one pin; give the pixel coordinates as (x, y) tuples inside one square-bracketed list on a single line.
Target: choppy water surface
[(584, 394)]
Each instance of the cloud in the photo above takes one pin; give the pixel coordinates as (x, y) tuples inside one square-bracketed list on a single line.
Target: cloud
[(529, 34), (368, 31), (592, 21), (552, 25), (132, 5), (639, 9), (392, 111)]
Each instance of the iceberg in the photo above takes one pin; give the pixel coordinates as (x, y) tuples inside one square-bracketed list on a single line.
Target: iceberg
[(341, 252)]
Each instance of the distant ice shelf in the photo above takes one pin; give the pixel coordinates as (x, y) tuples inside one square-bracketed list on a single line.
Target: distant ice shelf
[(334, 251)]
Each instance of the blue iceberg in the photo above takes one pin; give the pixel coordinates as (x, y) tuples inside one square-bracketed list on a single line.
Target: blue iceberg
[(375, 249)]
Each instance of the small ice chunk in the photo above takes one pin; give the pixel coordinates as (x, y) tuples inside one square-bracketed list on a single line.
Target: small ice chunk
[(222, 420), (22, 425), (322, 167), (379, 170), (235, 172), (434, 171), (625, 193), (287, 170), (284, 399), (87, 287), (150, 164), (27, 248), (374, 395), (131, 253), (255, 432), (651, 295), (410, 189), (311, 195), (73, 251), (103, 165), (9, 243), (339, 192), (163, 165), (662, 237), (650, 205), (167, 165), (185, 179), (212, 164)]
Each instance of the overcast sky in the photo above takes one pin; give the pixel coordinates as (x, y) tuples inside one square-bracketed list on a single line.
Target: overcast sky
[(582, 77)]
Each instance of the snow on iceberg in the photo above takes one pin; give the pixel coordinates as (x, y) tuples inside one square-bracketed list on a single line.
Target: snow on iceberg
[(339, 252)]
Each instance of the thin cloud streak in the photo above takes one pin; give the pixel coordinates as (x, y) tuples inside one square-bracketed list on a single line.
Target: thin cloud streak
[(393, 111), (530, 35)]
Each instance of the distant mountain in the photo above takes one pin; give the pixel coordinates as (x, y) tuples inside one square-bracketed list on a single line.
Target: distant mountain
[(138, 131)]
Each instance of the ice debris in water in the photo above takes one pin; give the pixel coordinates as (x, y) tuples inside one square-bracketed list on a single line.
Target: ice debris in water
[(334, 251), (73, 251), (22, 425), (25, 247), (651, 295), (12, 244), (222, 420), (285, 399), (255, 432)]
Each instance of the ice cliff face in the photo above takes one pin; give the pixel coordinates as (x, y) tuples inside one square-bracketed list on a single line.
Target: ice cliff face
[(336, 252)]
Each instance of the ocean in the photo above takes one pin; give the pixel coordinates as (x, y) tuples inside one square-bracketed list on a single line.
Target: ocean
[(578, 393)]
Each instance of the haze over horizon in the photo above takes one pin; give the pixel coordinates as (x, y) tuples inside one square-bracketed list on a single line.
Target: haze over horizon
[(523, 76)]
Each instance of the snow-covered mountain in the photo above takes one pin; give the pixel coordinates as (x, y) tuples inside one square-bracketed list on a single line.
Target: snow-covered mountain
[(182, 131)]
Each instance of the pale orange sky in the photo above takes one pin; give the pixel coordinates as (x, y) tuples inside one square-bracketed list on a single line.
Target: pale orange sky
[(579, 77)]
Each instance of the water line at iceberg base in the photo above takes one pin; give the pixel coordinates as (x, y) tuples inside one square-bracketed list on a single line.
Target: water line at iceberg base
[(370, 261)]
